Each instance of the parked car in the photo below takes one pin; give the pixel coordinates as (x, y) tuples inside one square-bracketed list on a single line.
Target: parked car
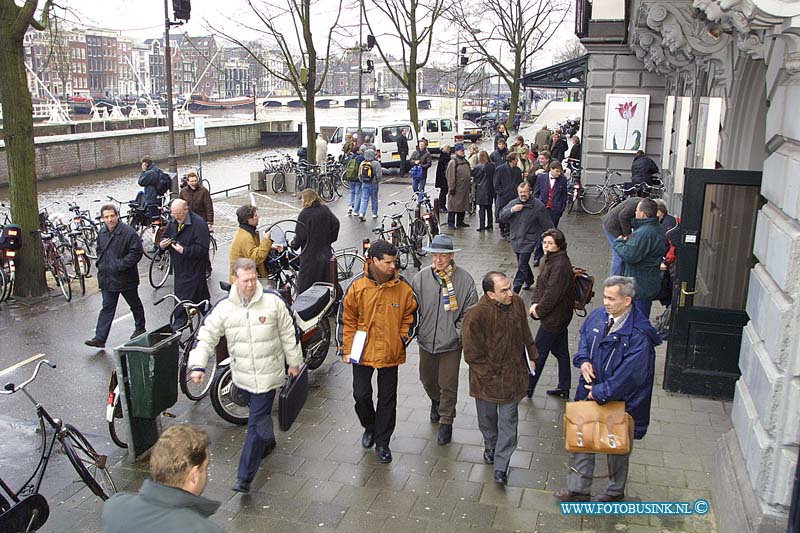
[(473, 115), (491, 118), (470, 130)]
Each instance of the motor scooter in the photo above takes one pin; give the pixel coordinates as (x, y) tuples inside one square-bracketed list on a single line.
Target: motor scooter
[(313, 330)]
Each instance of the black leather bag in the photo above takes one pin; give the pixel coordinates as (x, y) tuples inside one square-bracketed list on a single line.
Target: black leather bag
[(292, 398)]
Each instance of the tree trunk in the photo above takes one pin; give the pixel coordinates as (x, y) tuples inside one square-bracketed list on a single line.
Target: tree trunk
[(20, 154), (311, 83), (413, 108)]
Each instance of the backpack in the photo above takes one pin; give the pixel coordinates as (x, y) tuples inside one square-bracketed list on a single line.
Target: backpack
[(351, 170), (416, 172), (584, 285), (164, 183), (365, 172)]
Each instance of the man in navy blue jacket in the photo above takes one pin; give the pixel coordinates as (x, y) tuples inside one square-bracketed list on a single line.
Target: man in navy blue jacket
[(551, 190), (616, 355)]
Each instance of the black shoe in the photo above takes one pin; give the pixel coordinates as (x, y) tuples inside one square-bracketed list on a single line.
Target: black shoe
[(529, 393), (488, 456), (270, 447), (138, 332), (241, 486), (536, 263), (435, 412), (489, 228), (384, 454), (481, 229), (527, 286), (500, 477), (96, 343), (566, 495), (462, 225), (564, 393), (445, 434), (368, 439)]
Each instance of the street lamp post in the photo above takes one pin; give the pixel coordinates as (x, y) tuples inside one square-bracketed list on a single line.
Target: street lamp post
[(360, 59), (172, 160), (458, 68)]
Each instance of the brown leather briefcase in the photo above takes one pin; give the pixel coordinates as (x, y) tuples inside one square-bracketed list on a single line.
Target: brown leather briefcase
[(593, 428)]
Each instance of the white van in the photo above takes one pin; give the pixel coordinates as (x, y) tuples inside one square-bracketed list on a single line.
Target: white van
[(439, 131), (384, 137)]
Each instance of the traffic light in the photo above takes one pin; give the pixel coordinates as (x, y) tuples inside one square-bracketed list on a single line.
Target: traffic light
[(370, 42), (463, 59), (181, 9), (370, 66)]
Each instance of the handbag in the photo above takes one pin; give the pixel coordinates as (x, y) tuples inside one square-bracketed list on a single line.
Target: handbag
[(292, 398), (593, 428)]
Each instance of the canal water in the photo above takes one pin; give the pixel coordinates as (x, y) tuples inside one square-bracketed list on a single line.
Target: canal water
[(223, 170)]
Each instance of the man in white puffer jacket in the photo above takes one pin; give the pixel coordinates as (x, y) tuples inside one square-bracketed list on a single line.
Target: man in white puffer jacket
[(261, 340)]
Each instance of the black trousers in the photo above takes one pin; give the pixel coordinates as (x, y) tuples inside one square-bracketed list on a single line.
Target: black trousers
[(443, 196), (558, 344), (455, 218), (485, 216), (381, 420), (106, 317)]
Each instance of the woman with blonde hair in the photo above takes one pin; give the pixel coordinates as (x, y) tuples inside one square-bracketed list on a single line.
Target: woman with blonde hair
[(317, 230)]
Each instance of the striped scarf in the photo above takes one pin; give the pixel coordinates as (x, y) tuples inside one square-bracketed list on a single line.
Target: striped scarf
[(445, 279)]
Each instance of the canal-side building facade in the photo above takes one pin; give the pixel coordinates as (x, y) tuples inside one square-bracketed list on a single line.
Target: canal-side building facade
[(723, 82)]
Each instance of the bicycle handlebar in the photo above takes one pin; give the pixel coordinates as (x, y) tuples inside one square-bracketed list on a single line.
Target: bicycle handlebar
[(10, 388)]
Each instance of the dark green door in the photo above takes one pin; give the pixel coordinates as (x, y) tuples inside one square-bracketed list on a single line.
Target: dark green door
[(715, 255)]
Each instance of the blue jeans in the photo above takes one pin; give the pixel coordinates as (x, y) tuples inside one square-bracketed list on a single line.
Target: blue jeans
[(355, 196), (260, 434), (106, 317), (418, 186), (524, 273), (369, 191), (617, 265)]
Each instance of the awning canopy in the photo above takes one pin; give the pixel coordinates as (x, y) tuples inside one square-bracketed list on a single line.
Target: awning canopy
[(566, 75)]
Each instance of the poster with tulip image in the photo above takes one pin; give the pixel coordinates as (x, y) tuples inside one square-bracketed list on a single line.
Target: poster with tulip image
[(626, 123)]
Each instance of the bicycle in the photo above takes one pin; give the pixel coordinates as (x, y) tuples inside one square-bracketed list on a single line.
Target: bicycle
[(398, 236), (595, 199), (10, 243), (188, 333), (74, 254), (349, 264), (54, 263), (86, 228), (27, 509), (147, 222), (161, 263)]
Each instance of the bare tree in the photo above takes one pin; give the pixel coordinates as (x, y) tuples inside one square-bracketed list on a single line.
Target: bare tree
[(569, 49), (411, 24), (508, 33), (18, 135), (303, 68)]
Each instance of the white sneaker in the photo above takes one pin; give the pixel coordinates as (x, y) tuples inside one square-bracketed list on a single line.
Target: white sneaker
[(374, 216)]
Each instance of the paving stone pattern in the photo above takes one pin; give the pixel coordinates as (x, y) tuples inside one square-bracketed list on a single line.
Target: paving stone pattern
[(321, 478)]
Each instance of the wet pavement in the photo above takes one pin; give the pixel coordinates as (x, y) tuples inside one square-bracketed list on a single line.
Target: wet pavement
[(320, 477)]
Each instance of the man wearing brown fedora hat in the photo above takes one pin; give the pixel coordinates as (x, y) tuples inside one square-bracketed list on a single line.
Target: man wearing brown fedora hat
[(443, 292)]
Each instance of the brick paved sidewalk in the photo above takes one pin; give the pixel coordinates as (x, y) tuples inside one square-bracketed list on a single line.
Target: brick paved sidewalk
[(320, 477)]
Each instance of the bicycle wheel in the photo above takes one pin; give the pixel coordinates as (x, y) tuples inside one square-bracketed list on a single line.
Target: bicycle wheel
[(5, 289), (326, 189), (348, 266), (91, 466), (299, 183), (148, 235), (419, 230), (195, 391), (279, 182), (594, 199), (89, 237), (317, 346), (61, 275), (159, 270), (116, 435)]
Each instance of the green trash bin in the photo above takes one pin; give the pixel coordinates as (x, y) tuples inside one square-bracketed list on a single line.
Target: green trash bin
[(151, 364)]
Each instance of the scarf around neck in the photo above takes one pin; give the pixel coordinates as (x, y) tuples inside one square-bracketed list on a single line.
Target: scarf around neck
[(445, 279)]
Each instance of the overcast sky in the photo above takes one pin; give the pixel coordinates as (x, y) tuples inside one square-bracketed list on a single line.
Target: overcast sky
[(145, 19)]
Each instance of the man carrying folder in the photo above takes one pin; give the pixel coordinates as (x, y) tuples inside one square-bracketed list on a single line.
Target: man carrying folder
[(377, 321)]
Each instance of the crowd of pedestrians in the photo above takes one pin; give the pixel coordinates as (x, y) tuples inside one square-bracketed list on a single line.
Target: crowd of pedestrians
[(381, 314)]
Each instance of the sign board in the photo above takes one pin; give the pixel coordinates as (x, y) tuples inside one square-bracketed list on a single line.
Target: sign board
[(200, 131)]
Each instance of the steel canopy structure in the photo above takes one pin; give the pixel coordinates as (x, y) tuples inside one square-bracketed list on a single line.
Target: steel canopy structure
[(567, 75)]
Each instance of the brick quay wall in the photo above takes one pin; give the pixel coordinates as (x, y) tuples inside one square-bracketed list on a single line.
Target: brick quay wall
[(67, 155)]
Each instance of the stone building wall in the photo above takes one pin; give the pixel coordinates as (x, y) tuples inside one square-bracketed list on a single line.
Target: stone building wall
[(614, 69)]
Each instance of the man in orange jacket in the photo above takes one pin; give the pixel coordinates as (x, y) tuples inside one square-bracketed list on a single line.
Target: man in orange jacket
[(377, 321)]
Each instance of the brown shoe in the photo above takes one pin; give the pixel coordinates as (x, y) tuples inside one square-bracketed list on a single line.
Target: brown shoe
[(566, 495), (608, 497)]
